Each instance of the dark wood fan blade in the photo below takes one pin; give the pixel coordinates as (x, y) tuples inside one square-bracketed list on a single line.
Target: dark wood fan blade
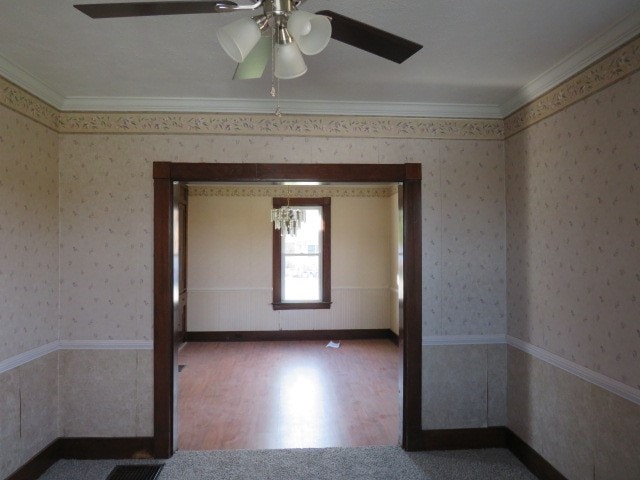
[(370, 39), (145, 9)]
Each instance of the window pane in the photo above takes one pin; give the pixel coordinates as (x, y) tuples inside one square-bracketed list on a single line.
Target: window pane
[(301, 260), (308, 238), (302, 278)]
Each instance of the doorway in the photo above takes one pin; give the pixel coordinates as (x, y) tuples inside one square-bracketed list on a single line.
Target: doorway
[(166, 339)]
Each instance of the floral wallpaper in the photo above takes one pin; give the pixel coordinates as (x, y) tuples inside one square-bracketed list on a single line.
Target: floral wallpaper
[(106, 238), (106, 203), (106, 217), (28, 234), (573, 233), (473, 245)]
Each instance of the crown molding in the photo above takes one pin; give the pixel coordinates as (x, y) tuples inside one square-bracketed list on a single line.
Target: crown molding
[(268, 106), (23, 79), (574, 63), (40, 91), (610, 69)]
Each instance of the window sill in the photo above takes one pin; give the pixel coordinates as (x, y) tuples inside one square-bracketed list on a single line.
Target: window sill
[(302, 306)]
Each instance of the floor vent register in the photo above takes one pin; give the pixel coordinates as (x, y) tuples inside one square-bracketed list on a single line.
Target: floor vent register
[(135, 472)]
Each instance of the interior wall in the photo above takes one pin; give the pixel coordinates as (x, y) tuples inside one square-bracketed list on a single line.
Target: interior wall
[(107, 247), (573, 232), (464, 312), (28, 289), (106, 285), (230, 265)]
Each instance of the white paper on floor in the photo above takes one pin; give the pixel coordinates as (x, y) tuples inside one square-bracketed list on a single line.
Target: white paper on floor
[(333, 344)]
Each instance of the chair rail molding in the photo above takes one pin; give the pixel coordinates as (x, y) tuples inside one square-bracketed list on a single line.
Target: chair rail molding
[(58, 345)]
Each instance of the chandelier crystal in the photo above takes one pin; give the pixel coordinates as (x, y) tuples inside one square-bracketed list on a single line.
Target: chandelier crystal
[(288, 220)]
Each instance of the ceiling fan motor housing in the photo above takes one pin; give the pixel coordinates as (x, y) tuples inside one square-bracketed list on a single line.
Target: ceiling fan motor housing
[(277, 7)]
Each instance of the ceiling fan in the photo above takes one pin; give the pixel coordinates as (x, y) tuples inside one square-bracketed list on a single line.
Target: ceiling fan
[(281, 32)]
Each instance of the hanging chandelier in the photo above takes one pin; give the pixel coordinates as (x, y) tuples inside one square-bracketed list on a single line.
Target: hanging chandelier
[(288, 220), (294, 33)]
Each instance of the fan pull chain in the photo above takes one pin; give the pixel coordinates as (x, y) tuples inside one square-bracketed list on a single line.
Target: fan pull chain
[(278, 111), (275, 83)]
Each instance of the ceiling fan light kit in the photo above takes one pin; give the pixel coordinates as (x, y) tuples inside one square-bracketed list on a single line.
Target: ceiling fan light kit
[(295, 32)]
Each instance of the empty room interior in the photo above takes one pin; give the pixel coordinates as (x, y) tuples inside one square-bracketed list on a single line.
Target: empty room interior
[(471, 288), (326, 377)]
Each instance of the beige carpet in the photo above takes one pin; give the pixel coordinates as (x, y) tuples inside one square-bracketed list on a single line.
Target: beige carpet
[(363, 463)]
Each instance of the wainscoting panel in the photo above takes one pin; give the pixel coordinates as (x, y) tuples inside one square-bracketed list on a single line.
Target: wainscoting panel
[(28, 411), (583, 430), (106, 392), (250, 310), (464, 385)]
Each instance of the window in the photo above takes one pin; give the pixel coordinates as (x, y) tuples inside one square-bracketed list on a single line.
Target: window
[(302, 264)]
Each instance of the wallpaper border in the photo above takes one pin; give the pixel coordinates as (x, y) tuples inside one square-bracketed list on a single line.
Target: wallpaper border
[(19, 100), (610, 69), (287, 125)]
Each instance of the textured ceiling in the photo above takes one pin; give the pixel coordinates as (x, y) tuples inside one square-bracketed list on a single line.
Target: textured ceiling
[(477, 53)]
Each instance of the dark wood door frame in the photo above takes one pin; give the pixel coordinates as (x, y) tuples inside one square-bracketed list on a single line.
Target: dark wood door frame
[(165, 362)]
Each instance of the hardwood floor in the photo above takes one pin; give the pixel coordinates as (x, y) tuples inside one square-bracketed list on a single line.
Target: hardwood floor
[(263, 395)]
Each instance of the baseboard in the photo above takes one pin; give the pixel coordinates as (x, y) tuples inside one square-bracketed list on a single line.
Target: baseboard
[(464, 438), (491, 437), (257, 336), (532, 459), (38, 464), (100, 448), (84, 449)]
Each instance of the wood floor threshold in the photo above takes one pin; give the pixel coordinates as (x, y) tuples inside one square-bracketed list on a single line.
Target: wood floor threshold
[(291, 335), (141, 447)]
